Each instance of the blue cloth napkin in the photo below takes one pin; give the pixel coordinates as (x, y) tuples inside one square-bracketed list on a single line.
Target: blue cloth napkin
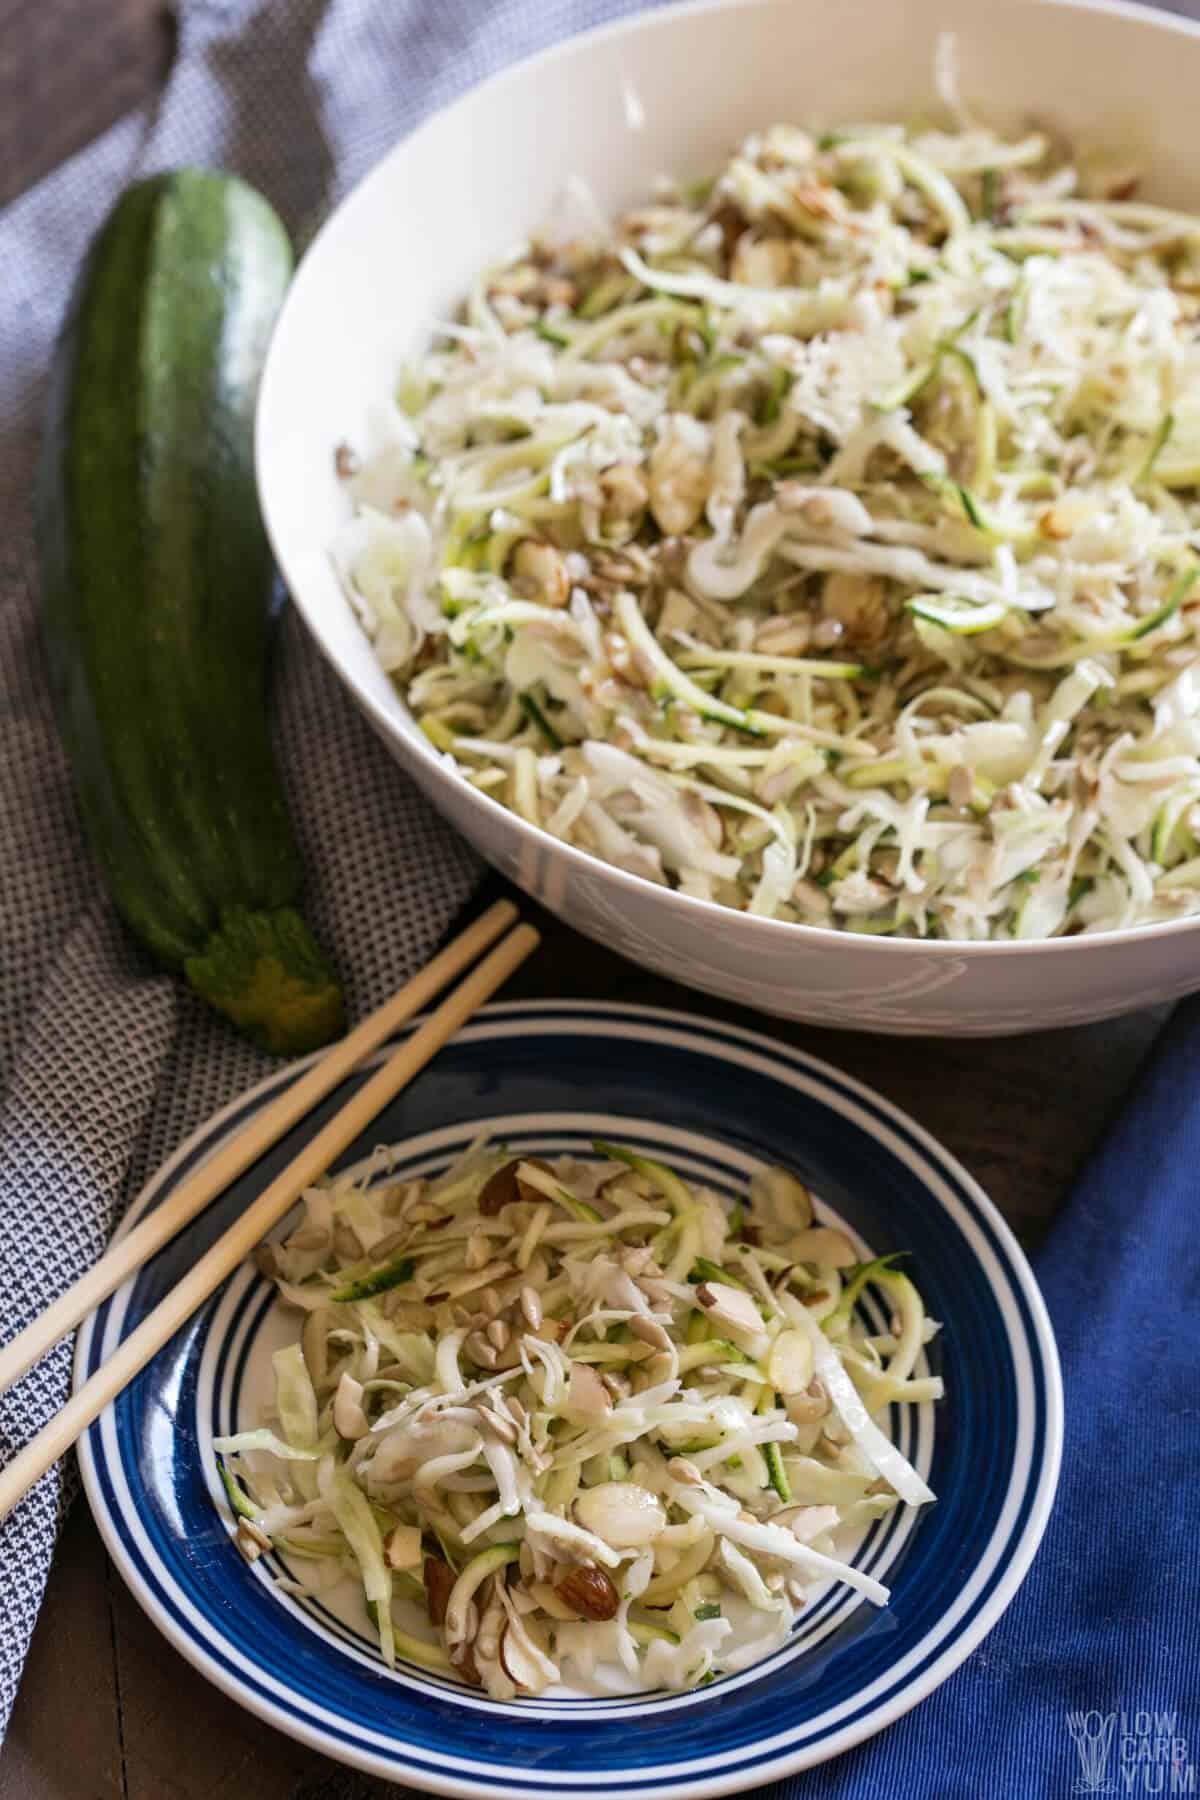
[(1091, 1681)]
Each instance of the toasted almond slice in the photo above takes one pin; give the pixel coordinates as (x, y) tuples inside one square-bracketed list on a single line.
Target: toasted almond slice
[(824, 1246), (587, 1397), (349, 1419), (403, 1547), (807, 1407), (790, 1362), (729, 1306), (625, 1515)]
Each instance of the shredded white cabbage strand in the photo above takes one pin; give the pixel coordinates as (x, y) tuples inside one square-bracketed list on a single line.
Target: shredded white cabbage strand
[(574, 1424), (821, 540)]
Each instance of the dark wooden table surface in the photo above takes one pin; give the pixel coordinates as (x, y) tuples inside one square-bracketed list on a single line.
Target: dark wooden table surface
[(107, 1711)]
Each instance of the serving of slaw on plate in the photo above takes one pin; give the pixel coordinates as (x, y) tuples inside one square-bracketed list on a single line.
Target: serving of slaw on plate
[(573, 1424), (821, 539), (717, 1104)]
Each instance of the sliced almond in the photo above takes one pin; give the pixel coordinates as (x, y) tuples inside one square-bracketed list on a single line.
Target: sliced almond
[(625, 1515), (783, 1195), (807, 1522), (790, 1362), (517, 1664), (587, 1397), (824, 1246), (349, 1419), (808, 1407), (729, 1306), (403, 1547)]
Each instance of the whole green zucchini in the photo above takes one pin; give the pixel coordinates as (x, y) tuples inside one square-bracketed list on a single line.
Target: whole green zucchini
[(156, 585)]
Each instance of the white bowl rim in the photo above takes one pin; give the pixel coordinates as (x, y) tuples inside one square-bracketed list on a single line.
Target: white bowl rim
[(684, 905)]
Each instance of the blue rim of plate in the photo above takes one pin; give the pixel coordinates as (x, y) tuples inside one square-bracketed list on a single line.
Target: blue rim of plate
[(718, 1098)]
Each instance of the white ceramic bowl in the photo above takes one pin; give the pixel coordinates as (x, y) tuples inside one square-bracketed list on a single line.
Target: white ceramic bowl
[(672, 91)]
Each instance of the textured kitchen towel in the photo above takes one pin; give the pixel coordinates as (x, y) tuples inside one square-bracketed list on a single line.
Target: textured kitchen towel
[(105, 1062)]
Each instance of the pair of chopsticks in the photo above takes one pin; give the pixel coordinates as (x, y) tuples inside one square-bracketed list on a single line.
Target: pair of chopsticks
[(194, 1194)]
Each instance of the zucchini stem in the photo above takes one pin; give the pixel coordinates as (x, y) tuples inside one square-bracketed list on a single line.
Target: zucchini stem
[(265, 972)]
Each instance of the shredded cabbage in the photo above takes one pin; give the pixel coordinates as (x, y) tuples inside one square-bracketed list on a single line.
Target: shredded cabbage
[(599, 1429), (692, 541)]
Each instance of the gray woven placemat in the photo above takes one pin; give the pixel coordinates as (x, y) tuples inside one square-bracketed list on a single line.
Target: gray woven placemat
[(104, 1062)]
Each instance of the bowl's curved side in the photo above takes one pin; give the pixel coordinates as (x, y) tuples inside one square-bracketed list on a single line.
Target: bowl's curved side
[(825, 978), (403, 246)]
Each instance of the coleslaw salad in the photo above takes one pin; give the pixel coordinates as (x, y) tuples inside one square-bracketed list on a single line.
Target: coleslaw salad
[(575, 1423), (821, 540)]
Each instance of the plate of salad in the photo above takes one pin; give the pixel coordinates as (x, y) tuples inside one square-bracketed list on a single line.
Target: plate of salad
[(632, 1368)]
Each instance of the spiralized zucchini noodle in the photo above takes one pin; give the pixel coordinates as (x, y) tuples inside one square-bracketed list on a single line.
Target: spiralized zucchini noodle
[(821, 539), (573, 1422)]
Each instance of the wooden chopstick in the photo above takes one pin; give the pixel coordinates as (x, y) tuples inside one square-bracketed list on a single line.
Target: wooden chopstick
[(194, 1194), (259, 1218)]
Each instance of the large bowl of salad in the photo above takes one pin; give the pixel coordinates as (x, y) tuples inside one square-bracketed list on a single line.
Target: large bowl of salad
[(745, 463)]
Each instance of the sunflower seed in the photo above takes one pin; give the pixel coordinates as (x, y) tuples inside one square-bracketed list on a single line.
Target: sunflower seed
[(650, 1332), (496, 1425), (312, 1237), (250, 1540), (481, 1353), (531, 1306)]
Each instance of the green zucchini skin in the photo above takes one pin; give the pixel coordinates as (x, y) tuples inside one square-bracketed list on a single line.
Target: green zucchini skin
[(156, 581)]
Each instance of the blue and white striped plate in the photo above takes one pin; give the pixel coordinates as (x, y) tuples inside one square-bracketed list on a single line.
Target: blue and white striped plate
[(715, 1100)]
